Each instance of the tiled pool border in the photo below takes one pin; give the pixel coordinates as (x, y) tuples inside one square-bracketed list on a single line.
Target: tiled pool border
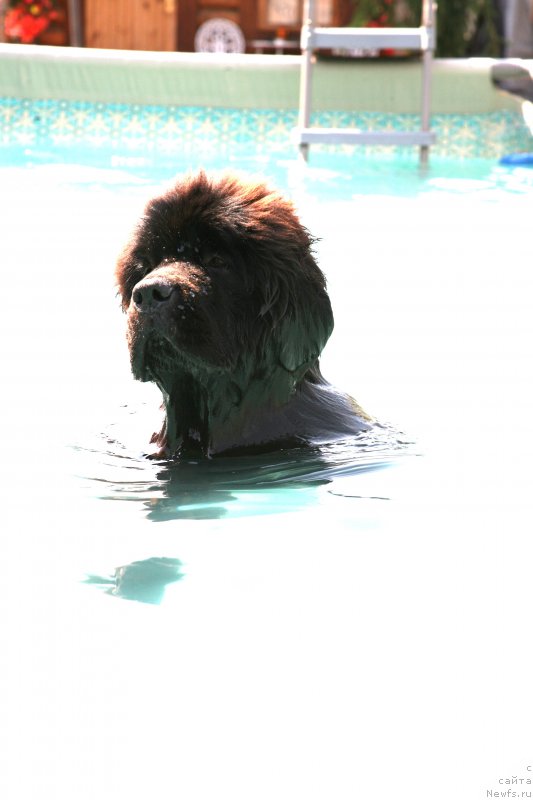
[(169, 129)]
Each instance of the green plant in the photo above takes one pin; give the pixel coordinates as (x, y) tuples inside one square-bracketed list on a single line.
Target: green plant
[(372, 13), (464, 27)]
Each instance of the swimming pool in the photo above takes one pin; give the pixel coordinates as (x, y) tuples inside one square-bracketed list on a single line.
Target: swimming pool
[(339, 633)]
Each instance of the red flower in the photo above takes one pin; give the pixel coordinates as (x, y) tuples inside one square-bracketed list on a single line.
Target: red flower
[(26, 19)]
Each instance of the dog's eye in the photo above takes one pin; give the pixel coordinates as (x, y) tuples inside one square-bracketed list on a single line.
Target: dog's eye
[(215, 262), (140, 270)]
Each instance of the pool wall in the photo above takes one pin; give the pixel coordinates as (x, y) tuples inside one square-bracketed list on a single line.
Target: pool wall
[(165, 100)]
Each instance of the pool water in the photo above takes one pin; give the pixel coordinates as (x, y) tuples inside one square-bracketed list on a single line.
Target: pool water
[(349, 622)]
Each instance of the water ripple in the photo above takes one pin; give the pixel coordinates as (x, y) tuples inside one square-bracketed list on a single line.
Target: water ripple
[(286, 479)]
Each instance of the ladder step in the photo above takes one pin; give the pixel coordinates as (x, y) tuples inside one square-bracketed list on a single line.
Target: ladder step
[(368, 38), (352, 136)]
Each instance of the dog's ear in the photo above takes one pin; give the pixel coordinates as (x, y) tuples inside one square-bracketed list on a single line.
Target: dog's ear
[(301, 321), (304, 331)]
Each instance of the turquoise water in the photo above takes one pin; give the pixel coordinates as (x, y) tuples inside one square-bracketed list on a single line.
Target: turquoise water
[(349, 622)]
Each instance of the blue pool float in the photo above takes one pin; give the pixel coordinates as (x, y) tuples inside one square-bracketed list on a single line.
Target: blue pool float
[(517, 160)]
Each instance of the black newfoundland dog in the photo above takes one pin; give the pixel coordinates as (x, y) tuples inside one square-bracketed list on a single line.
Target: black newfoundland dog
[(228, 314)]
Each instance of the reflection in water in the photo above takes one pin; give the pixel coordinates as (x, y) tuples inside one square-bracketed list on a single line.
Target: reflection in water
[(230, 486), (144, 581)]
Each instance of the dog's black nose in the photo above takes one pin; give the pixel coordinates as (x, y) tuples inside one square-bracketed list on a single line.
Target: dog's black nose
[(150, 293)]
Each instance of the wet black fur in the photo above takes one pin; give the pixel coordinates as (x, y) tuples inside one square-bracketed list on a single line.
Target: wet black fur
[(228, 313)]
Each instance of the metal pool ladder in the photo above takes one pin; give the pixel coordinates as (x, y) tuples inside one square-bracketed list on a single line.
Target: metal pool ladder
[(313, 38)]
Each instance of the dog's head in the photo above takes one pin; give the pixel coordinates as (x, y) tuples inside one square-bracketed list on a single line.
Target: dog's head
[(219, 276)]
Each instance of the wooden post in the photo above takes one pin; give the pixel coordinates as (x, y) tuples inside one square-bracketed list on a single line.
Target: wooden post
[(75, 23)]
